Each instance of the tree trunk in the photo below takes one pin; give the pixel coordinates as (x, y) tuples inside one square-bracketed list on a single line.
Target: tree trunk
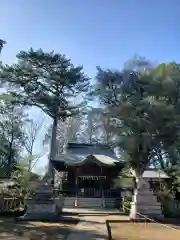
[(53, 148), (30, 161), (9, 163), (134, 203), (29, 165)]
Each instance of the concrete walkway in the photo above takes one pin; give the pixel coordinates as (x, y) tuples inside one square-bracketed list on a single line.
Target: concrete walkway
[(90, 211), (89, 228), (93, 226)]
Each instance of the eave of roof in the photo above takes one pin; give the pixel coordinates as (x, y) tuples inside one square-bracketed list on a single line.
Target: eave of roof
[(71, 145), (75, 160), (154, 173)]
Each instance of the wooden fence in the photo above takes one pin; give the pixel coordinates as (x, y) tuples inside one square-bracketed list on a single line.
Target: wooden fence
[(11, 204)]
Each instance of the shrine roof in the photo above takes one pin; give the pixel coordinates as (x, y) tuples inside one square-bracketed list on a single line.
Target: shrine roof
[(90, 149), (80, 153), (154, 173), (71, 159)]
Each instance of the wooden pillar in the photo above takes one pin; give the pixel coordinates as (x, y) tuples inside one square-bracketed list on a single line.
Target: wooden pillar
[(101, 185), (102, 190), (76, 183)]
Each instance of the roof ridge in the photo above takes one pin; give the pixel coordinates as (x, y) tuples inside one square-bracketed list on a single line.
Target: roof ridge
[(84, 145)]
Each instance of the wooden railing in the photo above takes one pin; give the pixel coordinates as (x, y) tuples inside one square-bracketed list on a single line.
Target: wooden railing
[(11, 204)]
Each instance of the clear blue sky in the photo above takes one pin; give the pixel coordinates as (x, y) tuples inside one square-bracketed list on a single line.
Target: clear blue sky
[(93, 32)]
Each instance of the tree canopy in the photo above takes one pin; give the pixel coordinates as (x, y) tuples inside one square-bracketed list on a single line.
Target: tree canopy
[(2, 42), (46, 80), (144, 111)]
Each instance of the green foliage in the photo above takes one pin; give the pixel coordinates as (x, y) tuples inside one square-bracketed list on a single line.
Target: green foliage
[(24, 182), (122, 94), (12, 136), (127, 204), (127, 182), (46, 80), (2, 42), (174, 175), (170, 207), (22, 174), (143, 106)]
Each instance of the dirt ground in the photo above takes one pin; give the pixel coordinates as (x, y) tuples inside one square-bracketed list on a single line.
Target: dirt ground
[(11, 230), (143, 231)]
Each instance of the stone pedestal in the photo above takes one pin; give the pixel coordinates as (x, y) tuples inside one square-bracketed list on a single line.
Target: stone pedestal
[(59, 203), (38, 207), (146, 202), (42, 202)]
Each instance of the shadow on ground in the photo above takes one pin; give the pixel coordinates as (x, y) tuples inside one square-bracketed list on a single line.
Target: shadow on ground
[(170, 221), (10, 229), (21, 230)]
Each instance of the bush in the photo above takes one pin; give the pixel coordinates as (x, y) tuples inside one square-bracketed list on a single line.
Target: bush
[(170, 207), (127, 204), (12, 199)]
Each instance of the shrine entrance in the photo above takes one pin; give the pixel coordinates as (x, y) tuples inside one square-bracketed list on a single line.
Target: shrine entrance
[(89, 179), (90, 186)]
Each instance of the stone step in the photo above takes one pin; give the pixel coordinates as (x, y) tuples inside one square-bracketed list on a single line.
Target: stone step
[(147, 202), (146, 193), (147, 196), (141, 199), (44, 190), (42, 194), (148, 208), (150, 212), (43, 199), (89, 202)]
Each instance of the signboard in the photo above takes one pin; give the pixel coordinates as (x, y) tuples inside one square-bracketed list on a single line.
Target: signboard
[(92, 177)]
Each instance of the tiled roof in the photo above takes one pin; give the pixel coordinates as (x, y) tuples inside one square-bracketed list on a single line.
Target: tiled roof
[(90, 149), (154, 173), (71, 159), (78, 153)]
